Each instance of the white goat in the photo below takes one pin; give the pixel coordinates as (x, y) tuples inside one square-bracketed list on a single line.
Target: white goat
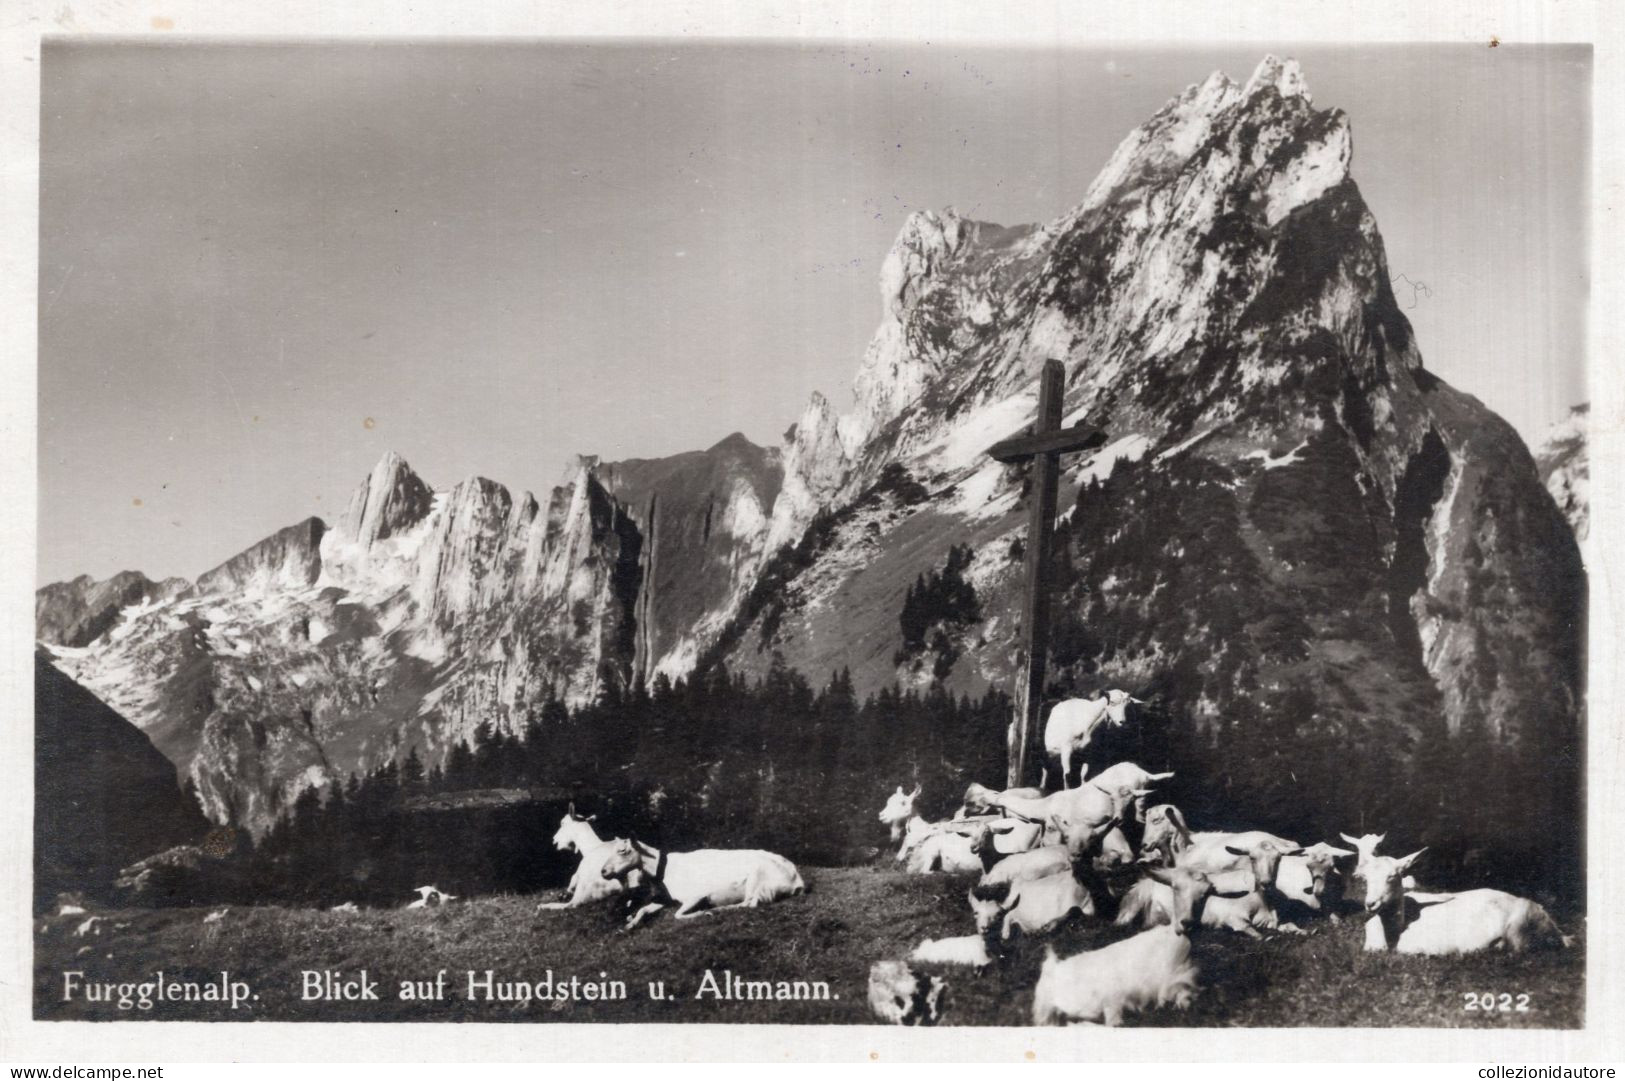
[(1449, 923), (1245, 906), (1072, 725), (430, 897), (709, 878), (899, 810), (1313, 879), (1165, 834), (576, 834), (969, 950), (1034, 863), (1153, 968), (1365, 847), (979, 799), (927, 848), (1127, 773), (901, 996), (944, 846), (1083, 807), (1041, 905)]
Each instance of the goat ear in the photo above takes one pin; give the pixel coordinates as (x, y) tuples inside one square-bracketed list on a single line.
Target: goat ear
[(1231, 895), (1234, 851), (1408, 860), (1379, 838), (1162, 776), (1337, 852), (1157, 874), (917, 789), (1292, 852), (1349, 840), (591, 818)]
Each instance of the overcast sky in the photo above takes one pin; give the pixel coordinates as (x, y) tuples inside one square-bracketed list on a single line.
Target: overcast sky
[(263, 266)]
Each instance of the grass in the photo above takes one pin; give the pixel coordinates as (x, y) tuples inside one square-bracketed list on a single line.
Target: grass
[(851, 918)]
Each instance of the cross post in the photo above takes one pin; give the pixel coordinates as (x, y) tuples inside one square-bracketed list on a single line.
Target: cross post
[(1043, 448)]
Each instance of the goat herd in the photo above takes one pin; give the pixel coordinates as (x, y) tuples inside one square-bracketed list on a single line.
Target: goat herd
[(1043, 860)]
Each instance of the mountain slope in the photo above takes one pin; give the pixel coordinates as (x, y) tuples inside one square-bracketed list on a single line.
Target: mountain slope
[(104, 797), (1565, 469)]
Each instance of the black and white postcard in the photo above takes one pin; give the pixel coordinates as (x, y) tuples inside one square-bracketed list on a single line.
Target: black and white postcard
[(814, 529)]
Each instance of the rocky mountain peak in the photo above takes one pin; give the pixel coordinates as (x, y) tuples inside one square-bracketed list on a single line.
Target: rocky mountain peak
[(288, 559), (1284, 77), (391, 500)]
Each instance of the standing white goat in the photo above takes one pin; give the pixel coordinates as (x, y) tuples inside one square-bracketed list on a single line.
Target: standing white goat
[(1153, 968), (1072, 725), (575, 834), (1449, 923)]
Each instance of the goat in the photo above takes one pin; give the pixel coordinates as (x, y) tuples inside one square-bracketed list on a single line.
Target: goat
[(430, 897), (1130, 775), (944, 846), (1082, 807), (1152, 968), (1165, 834), (706, 879), (969, 950), (899, 811), (1243, 910), (1021, 866), (979, 799), (927, 848), (902, 996), (1038, 906), (1313, 879), (1365, 847), (1449, 923), (1072, 725), (576, 834)]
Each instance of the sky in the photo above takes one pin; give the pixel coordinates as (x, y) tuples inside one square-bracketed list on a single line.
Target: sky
[(265, 265)]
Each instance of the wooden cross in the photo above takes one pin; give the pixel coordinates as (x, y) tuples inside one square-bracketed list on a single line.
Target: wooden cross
[(1043, 446)]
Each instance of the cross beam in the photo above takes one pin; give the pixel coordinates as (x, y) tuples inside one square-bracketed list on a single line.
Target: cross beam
[(1043, 446)]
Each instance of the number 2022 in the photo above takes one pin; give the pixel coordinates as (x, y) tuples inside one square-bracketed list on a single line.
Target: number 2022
[(1490, 1002)]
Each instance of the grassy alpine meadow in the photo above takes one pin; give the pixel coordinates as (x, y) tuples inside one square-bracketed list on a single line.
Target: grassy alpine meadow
[(817, 947)]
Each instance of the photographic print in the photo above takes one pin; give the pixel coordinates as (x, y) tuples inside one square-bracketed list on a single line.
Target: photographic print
[(819, 533)]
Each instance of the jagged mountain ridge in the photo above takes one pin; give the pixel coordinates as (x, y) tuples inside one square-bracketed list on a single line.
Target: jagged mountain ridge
[(1289, 497), (320, 651)]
